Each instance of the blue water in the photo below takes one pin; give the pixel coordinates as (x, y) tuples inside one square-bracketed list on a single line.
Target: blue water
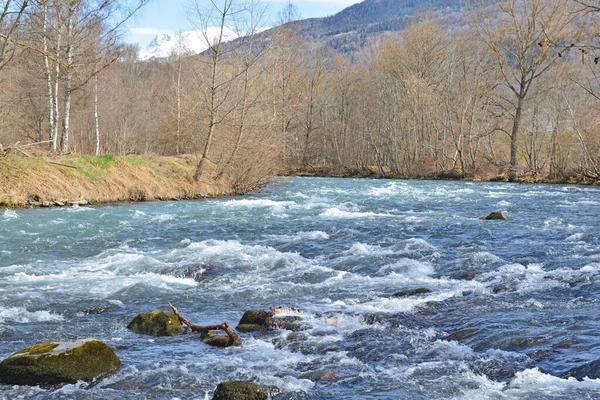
[(513, 303)]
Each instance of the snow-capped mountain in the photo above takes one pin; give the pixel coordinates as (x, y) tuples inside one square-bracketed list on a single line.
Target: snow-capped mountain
[(189, 42)]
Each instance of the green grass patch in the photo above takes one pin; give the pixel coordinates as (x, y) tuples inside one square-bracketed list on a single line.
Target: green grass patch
[(105, 161), (135, 161)]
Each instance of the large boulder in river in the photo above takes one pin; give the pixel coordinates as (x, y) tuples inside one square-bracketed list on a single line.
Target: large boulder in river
[(240, 390), (59, 363), (157, 323)]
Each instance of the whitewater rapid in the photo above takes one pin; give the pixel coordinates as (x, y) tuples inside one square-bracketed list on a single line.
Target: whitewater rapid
[(512, 304)]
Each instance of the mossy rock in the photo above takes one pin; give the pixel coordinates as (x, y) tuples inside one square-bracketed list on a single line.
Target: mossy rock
[(218, 341), (240, 390), (157, 323), (412, 292), (255, 317), (496, 216), (250, 328), (59, 363)]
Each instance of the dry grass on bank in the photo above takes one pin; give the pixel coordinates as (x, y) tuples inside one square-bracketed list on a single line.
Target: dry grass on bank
[(102, 179)]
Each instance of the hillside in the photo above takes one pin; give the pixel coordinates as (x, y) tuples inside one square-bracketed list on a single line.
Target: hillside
[(346, 31)]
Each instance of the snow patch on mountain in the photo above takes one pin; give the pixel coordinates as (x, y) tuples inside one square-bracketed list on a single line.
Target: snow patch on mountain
[(189, 42)]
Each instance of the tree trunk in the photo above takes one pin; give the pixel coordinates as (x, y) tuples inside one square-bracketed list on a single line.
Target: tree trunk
[(514, 142), (68, 84), (96, 118)]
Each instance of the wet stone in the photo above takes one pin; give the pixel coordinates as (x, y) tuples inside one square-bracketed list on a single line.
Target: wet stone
[(156, 323), (495, 216), (217, 341), (590, 370), (196, 272), (461, 335), (495, 371), (255, 317), (464, 275), (240, 390), (412, 292)]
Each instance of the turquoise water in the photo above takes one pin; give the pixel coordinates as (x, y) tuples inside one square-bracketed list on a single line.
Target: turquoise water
[(513, 303)]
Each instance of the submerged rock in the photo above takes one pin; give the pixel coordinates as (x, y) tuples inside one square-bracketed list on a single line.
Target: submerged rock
[(157, 323), (462, 335), (240, 390), (496, 216), (59, 363), (495, 370), (260, 320), (590, 370), (412, 292)]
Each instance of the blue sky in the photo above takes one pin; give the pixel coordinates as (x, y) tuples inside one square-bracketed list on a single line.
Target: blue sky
[(170, 16)]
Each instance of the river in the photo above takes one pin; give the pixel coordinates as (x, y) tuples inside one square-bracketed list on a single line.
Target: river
[(513, 304)]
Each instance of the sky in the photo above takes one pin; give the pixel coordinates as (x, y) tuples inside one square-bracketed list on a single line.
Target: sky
[(171, 16)]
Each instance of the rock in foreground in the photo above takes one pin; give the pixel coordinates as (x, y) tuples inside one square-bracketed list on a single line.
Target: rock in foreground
[(157, 323), (240, 390), (59, 363)]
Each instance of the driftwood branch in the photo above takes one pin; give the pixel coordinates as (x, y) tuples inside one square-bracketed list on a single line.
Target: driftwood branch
[(233, 337)]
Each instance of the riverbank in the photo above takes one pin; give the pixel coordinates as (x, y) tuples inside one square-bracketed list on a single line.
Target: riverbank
[(36, 181), (374, 173)]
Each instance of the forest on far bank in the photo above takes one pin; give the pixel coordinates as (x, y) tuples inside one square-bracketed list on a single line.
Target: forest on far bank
[(509, 90)]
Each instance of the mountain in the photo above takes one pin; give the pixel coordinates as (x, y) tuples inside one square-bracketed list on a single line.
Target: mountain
[(189, 42), (346, 31)]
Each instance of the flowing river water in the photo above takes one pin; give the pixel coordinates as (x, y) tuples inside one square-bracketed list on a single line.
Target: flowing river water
[(513, 304)]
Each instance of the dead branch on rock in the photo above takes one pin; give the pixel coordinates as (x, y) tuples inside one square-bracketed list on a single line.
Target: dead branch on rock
[(233, 337)]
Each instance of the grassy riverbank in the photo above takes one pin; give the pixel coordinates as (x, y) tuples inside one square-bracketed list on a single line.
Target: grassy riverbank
[(102, 179)]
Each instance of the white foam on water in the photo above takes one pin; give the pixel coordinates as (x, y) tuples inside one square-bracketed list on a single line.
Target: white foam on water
[(22, 315), (299, 195), (138, 214), (311, 235), (77, 209), (388, 190), (576, 237), (258, 203), (408, 267), (530, 382), (418, 244), (336, 213), (10, 214), (162, 218), (362, 249), (534, 277)]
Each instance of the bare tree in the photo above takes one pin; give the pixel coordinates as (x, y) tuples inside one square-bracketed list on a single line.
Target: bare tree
[(526, 38)]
